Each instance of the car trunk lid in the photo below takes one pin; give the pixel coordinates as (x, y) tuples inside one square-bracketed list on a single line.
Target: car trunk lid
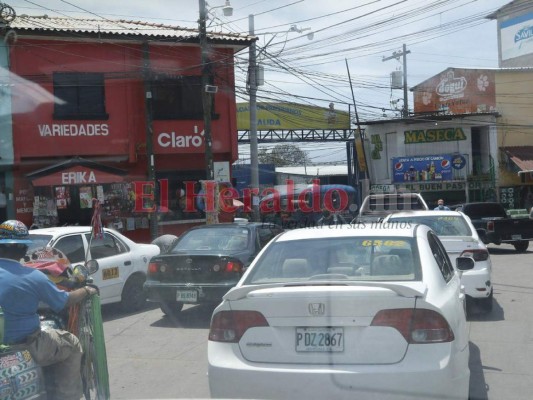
[(316, 324), (195, 268)]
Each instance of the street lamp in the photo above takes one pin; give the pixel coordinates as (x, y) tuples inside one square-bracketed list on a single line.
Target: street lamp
[(252, 78)]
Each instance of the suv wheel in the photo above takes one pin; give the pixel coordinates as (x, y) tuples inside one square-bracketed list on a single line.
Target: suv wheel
[(171, 307), (521, 246)]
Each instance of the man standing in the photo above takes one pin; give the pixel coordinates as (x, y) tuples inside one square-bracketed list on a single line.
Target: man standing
[(441, 206), (21, 291)]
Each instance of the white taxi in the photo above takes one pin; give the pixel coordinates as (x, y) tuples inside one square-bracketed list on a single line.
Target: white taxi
[(123, 263), (460, 238), (343, 313)]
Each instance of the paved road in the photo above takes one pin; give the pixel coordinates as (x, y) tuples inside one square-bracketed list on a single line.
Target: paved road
[(151, 356)]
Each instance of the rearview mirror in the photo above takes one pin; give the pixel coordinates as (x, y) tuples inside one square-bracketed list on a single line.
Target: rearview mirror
[(92, 266), (464, 263)]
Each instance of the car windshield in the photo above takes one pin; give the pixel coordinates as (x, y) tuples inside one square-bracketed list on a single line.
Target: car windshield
[(369, 259), (231, 238), (448, 225), (37, 241)]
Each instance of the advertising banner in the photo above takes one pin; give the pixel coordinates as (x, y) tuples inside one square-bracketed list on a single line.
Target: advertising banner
[(516, 36), (457, 91), (422, 168), (292, 116)]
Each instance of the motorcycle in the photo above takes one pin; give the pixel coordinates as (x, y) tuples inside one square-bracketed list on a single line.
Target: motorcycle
[(20, 377)]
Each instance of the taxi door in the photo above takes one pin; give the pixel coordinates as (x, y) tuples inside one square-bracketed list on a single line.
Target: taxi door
[(115, 262)]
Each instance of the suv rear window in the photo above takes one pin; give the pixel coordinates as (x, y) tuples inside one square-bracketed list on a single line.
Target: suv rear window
[(397, 202)]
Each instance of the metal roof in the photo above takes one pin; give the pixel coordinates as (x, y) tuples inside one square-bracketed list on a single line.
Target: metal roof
[(127, 29), (314, 170)]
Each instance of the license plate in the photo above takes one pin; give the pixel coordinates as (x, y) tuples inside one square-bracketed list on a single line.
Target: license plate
[(187, 295), (516, 237), (320, 339)]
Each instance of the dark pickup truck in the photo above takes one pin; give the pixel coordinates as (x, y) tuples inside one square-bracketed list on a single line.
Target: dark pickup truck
[(494, 225)]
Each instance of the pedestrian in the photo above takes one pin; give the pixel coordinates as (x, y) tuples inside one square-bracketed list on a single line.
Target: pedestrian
[(441, 206), (59, 352)]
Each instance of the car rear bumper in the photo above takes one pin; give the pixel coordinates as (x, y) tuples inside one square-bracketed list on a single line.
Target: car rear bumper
[(422, 374), (167, 292), (477, 283)]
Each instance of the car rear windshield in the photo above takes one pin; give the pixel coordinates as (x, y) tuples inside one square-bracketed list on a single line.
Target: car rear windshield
[(231, 238), (449, 225), (37, 241), (355, 258), (395, 203)]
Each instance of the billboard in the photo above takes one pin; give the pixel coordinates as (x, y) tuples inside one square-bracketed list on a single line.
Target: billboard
[(457, 91), (422, 168), (292, 116), (516, 36)]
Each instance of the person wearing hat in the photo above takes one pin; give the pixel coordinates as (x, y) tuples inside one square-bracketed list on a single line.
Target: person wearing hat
[(441, 206), (22, 288)]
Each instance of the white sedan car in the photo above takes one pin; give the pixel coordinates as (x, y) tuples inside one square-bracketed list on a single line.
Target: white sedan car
[(344, 313), (459, 237), (123, 263)]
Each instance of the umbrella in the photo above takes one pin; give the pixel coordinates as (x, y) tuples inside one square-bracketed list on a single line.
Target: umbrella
[(237, 203)]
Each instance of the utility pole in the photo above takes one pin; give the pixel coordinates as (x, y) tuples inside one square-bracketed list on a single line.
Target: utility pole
[(149, 137), (396, 55), (206, 96), (252, 77)]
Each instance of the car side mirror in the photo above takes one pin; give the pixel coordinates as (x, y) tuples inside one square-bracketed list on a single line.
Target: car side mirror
[(91, 266), (464, 263)]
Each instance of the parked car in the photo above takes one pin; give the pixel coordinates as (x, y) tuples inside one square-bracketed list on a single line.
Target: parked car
[(338, 313), (377, 206), (460, 239), (205, 262), (123, 263), (497, 226)]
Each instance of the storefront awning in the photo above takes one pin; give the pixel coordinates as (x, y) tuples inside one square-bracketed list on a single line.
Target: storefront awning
[(76, 171), (521, 156)]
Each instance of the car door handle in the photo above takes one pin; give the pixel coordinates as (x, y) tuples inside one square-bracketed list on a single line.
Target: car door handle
[(127, 262)]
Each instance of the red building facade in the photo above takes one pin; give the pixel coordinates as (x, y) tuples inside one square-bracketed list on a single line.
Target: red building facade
[(115, 84)]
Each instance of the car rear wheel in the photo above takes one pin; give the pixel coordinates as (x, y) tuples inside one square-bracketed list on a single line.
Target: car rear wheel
[(486, 303), (133, 296), (521, 246), (171, 307)]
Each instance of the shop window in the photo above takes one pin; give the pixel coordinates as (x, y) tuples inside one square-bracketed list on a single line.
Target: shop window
[(178, 98), (83, 95)]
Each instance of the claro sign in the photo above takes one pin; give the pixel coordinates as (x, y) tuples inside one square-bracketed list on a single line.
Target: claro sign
[(173, 140)]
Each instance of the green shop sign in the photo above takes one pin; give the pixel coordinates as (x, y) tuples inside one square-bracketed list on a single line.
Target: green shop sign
[(434, 135)]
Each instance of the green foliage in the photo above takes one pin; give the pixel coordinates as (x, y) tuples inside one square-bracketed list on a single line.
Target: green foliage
[(284, 155)]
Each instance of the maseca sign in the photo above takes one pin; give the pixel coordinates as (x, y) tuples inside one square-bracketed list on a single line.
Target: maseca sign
[(434, 135)]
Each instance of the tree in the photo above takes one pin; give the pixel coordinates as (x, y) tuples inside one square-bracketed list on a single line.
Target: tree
[(283, 155)]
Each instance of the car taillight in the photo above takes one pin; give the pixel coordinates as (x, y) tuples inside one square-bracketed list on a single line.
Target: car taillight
[(417, 326), (490, 226), (153, 268), (229, 326), (476, 254), (233, 266)]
